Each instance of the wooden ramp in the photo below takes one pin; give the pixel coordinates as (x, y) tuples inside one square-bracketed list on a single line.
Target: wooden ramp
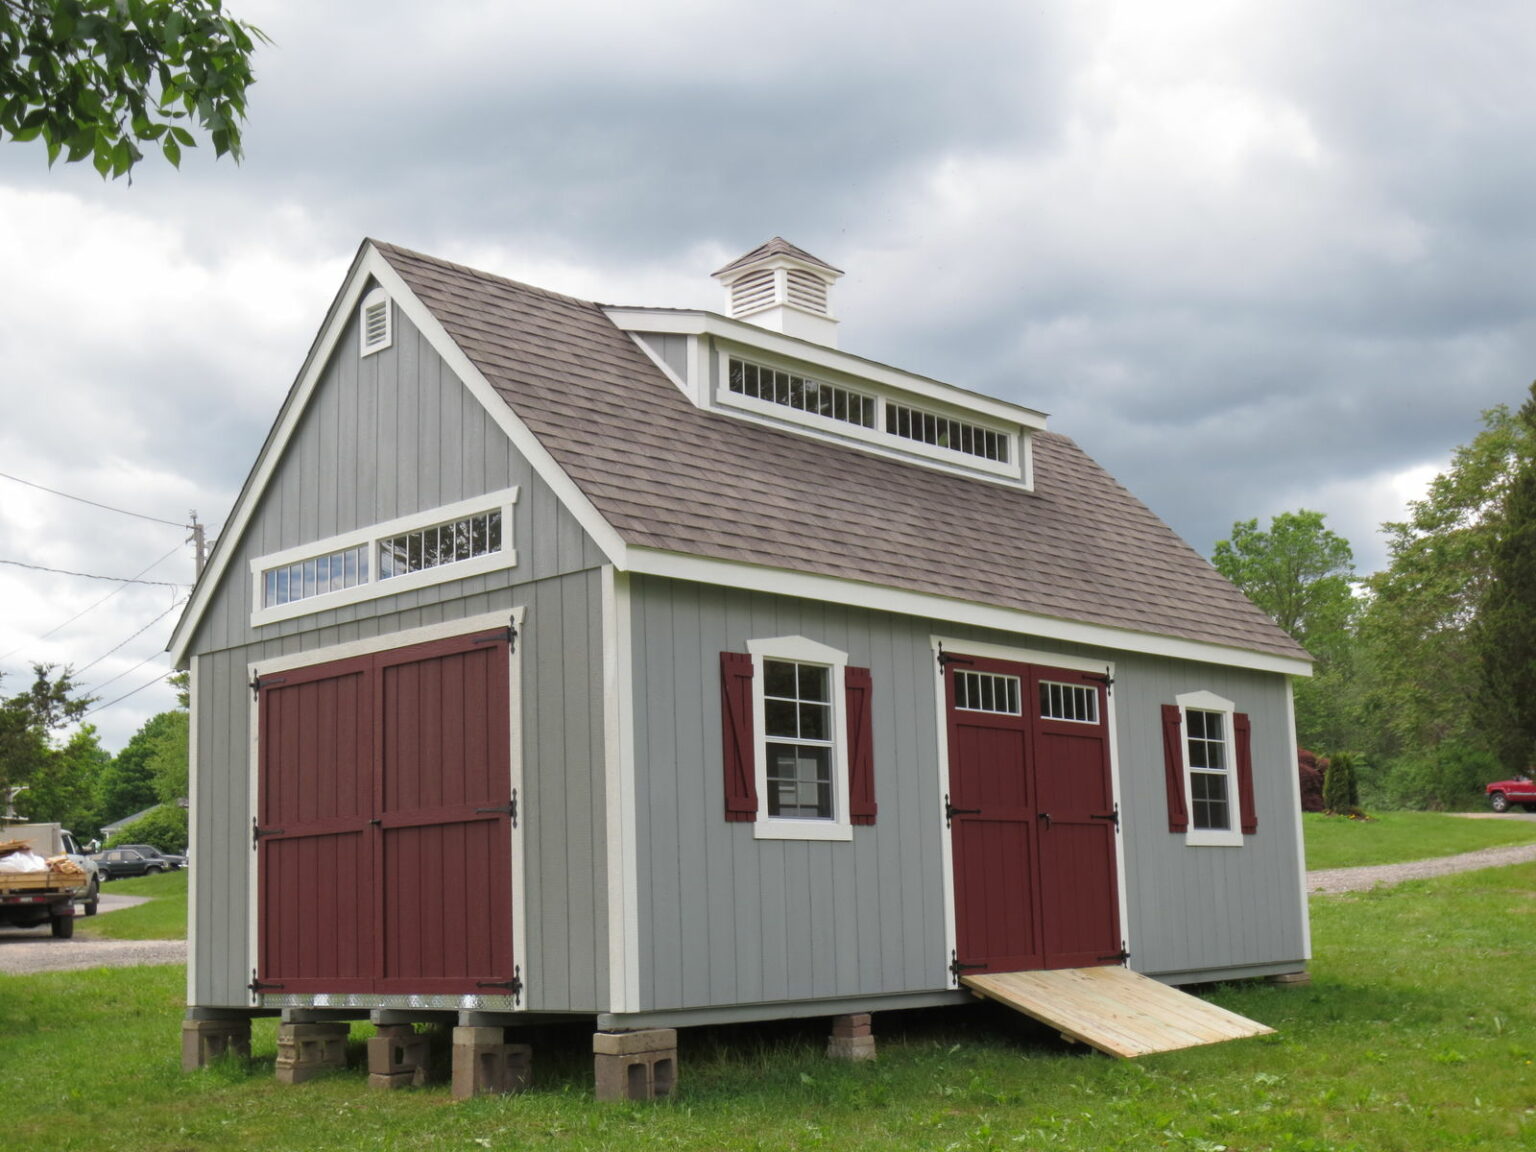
[(1114, 1009)]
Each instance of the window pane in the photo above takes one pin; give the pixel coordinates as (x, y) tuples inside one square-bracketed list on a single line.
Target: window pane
[(779, 718), (799, 782), (778, 678), (815, 722), (493, 532), (269, 596), (814, 682)]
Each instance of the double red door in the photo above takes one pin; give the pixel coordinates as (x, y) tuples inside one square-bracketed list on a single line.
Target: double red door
[(1032, 817), (384, 822)]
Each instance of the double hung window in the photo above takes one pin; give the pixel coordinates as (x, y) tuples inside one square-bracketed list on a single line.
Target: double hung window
[(1209, 769)]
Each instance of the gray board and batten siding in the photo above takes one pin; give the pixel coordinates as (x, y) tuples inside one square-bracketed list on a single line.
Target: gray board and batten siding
[(388, 435), (726, 919)]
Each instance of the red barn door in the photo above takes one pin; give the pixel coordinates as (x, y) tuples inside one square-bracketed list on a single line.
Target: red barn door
[(384, 836), (1032, 820)]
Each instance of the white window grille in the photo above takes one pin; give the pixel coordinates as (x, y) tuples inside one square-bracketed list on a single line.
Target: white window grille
[(987, 692), (1075, 702)]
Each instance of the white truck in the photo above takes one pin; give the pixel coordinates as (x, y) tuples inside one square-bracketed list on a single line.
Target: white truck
[(47, 895)]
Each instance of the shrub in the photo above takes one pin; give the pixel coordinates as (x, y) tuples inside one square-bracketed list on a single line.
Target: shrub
[(165, 827), (1310, 769), (1450, 777)]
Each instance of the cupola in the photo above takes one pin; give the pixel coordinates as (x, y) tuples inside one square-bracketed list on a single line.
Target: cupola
[(782, 288)]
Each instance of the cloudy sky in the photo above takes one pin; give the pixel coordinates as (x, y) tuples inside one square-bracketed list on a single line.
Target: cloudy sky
[(1254, 257)]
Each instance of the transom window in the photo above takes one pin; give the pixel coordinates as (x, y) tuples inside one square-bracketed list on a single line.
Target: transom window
[(945, 432), (987, 692), (798, 726), (1209, 769), (451, 542), (1075, 702), (440, 544), (315, 576), (801, 393)]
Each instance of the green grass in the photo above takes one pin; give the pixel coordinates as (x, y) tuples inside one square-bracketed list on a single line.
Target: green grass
[(1397, 837), (1418, 1032), (163, 918)]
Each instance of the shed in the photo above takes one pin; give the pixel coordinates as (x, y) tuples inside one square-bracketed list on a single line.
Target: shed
[(663, 667)]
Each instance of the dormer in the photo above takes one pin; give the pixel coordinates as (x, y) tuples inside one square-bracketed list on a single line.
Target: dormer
[(784, 289)]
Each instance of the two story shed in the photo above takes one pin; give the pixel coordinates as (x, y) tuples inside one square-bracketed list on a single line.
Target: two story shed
[(663, 667)]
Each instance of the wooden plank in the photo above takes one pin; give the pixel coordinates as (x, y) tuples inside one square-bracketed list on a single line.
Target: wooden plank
[(1115, 1010)]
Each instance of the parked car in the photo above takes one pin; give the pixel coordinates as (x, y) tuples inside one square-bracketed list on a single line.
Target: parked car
[(118, 862), (1502, 794), (170, 860)]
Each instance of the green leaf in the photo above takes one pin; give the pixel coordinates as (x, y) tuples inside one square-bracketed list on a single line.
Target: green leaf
[(172, 152)]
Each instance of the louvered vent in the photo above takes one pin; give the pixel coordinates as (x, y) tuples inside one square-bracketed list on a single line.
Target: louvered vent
[(807, 291), (376, 334), (752, 291)]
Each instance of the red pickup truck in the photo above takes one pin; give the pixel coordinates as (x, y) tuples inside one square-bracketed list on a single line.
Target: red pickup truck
[(1504, 794)]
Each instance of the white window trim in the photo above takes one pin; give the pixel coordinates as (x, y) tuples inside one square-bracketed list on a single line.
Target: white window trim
[(1211, 837), (377, 296), (801, 651), (1016, 469), (374, 588)]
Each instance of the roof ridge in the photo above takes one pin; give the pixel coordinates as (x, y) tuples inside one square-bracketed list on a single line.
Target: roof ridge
[(388, 250)]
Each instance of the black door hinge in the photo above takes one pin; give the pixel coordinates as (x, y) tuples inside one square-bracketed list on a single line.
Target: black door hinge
[(257, 833), (260, 682), (951, 658), (950, 811), (259, 985), (1112, 817), (1119, 957), (1103, 678), (514, 985), (509, 809), (509, 634), (957, 969)]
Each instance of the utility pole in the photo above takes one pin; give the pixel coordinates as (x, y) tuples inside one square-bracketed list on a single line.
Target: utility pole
[(199, 537)]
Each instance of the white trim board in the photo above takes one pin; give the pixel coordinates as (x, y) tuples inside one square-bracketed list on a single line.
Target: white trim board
[(879, 598), (370, 262), (619, 795)]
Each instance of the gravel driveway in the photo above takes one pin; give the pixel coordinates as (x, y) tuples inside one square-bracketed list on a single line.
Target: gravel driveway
[(24, 950), (1361, 879)]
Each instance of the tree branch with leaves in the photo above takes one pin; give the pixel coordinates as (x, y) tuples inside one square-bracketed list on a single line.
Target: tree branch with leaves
[(99, 78)]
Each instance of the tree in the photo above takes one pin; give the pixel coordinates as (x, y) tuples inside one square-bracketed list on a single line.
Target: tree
[(1417, 629), (1505, 632), (1299, 572), (164, 827), (168, 758), (29, 722), (98, 78), (129, 784), (67, 791)]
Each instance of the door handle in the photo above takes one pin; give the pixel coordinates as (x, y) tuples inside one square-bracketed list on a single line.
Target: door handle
[(1046, 816)]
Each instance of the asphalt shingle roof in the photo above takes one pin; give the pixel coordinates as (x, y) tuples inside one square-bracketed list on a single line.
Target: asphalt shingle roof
[(671, 476)]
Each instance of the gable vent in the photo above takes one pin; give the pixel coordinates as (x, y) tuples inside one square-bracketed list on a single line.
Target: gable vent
[(376, 327)]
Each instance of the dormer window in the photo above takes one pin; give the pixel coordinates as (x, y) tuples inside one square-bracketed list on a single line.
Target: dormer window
[(801, 393), (944, 432), (375, 323)]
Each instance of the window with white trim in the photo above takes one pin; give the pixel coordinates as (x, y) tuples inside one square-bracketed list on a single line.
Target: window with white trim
[(1210, 769), (801, 731), (801, 393), (449, 543), (375, 323)]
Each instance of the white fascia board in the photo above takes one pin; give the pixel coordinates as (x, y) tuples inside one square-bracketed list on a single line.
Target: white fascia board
[(370, 262), (854, 593), (690, 323)]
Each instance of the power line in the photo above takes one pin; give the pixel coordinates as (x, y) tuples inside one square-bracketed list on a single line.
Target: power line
[(124, 696), (93, 607), (135, 636), (120, 675), (94, 576), (92, 503)]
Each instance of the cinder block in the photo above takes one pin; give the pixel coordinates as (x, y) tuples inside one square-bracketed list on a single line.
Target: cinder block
[(632, 1043), (304, 1051), (853, 1048), (1290, 978), (398, 1057), (851, 1038), (204, 1041), (484, 1063), (635, 1065)]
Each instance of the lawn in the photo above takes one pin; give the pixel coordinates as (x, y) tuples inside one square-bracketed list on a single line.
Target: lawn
[(163, 918), (1397, 837), (1418, 1032)]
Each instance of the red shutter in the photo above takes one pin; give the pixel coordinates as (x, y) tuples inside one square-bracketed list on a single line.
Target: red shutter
[(740, 746), (857, 687), (1240, 730), (1173, 768)]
